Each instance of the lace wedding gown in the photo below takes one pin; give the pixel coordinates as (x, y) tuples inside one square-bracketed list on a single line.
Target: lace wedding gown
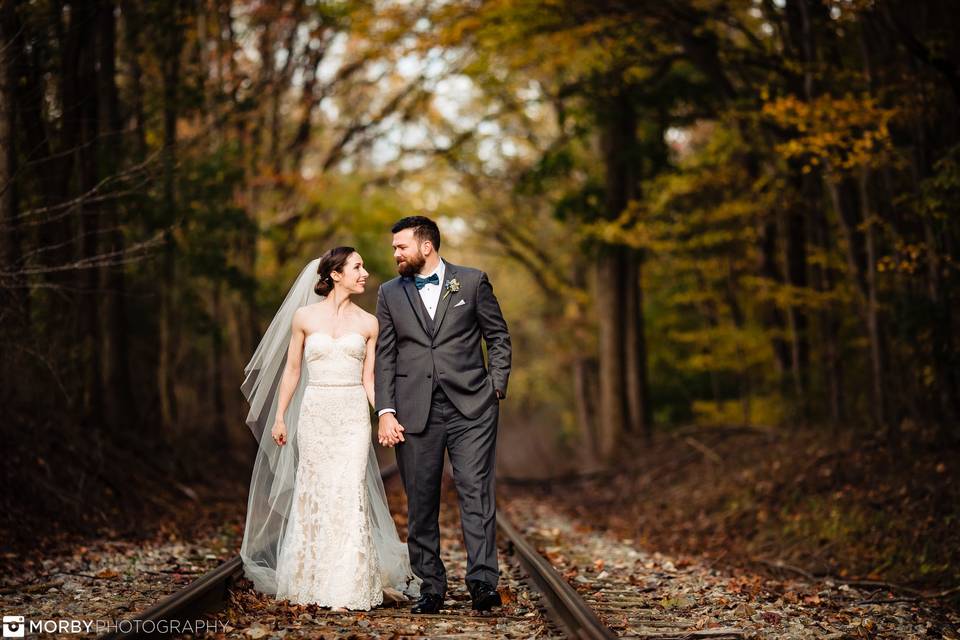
[(328, 556)]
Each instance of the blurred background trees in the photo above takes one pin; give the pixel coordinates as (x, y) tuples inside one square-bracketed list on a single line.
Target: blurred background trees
[(721, 212)]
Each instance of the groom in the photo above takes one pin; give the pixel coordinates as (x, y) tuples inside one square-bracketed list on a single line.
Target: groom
[(433, 392)]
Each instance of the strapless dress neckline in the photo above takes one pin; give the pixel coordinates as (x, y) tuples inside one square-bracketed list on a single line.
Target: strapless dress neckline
[(335, 338)]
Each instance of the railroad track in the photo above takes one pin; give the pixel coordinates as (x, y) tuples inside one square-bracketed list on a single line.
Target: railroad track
[(567, 614), (568, 608)]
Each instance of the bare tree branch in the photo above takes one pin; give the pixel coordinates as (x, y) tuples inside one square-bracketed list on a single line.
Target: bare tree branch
[(109, 259)]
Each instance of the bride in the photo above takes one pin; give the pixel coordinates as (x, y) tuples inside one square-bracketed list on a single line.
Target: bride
[(318, 527)]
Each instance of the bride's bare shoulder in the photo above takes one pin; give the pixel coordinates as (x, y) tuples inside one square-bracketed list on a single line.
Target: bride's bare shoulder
[(368, 321), (309, 309), (302, 314)]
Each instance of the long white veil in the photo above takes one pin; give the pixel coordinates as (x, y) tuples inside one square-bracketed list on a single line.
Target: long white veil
[(274, 471)]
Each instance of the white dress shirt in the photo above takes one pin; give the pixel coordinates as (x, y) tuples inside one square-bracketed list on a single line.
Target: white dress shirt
[(430, 294)]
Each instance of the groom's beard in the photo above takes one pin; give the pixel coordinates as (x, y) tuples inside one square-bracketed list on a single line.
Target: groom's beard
[(411, 266)]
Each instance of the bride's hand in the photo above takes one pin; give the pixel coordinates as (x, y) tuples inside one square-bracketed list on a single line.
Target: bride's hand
[(279, 433), (389, 431)]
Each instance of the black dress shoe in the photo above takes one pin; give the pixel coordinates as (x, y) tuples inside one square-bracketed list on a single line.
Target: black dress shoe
[(485, 596), (428, 603)]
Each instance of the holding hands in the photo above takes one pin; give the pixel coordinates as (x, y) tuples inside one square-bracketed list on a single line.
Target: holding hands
[(389, 431)]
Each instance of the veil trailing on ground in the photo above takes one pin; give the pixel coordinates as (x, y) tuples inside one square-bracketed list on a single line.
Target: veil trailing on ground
[(274, 471)]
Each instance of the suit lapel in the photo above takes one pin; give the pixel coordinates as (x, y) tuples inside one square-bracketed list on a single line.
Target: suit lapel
[(450, 272), (413, 296)]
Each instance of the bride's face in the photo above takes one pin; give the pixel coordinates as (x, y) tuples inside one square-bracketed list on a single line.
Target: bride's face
[(353, 278)]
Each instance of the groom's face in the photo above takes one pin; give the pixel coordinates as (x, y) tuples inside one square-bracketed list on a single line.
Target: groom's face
[(407, 253)]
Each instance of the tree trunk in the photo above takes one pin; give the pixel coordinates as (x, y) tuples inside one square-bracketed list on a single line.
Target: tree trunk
[(612, 418), (14, 292), (121, 407), (167, 347), (881, 411), (584, 389), (616, 280), (772, 314), (846, 202), (796, 263), (131, 32), (804, 18), (584, 369), (824, 283), (218, 404), (308, 105), (635, 347), (88, 279)]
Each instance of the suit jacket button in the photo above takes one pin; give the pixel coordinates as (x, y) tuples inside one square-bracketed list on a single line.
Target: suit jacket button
[(429, 375)]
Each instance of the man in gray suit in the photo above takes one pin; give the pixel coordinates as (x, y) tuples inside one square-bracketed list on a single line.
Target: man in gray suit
[(433, 392)]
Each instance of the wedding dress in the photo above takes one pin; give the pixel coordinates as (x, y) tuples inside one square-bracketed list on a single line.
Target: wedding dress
[(328, 556), (314, 506)]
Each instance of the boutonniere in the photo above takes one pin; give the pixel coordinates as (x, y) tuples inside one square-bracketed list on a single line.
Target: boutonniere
[(453, 285)]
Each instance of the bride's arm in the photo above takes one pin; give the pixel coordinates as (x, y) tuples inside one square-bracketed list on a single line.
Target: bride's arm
[(369, 361), (291, 371)]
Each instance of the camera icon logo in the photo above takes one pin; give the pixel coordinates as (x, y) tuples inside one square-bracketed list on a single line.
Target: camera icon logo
[(13, 626)]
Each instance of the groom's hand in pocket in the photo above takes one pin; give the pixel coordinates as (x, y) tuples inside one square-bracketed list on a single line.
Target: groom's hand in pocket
[(389, 431)]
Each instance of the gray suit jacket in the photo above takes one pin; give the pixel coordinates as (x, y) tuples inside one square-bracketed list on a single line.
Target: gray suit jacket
[(414, 353)]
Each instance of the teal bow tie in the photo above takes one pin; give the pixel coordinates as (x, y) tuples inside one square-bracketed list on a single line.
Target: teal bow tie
[(422, 282)]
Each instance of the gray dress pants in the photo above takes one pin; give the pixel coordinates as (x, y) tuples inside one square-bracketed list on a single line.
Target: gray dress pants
[(471, 445)]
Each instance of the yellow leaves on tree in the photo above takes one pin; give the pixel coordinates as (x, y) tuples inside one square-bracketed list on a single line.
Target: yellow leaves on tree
[(841, 133), (908, 257)]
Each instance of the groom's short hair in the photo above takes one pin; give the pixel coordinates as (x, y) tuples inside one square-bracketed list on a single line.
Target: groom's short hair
[(423, 229)]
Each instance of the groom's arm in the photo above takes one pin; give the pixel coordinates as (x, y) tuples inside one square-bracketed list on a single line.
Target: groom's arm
[(495, 334), (386, 363)]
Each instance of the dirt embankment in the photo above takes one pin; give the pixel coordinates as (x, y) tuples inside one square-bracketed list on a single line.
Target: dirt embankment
[(846, 505)]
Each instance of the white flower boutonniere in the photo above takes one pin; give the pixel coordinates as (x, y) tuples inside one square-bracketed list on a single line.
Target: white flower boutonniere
[(453, 285)]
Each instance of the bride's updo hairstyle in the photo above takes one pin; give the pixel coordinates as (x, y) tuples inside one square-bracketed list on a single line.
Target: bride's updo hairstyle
[(332, 260)]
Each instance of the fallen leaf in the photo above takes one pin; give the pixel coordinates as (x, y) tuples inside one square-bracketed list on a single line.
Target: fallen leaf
[(770, 617), (257, 630)]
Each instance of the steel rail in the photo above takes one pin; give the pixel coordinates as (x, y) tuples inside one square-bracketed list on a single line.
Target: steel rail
[(209, 593), (206, 593), (568, 607)]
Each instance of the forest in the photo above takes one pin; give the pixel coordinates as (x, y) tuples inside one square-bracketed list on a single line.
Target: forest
[(725, 235)]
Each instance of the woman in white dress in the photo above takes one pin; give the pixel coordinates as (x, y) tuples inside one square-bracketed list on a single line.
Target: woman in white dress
[(318, 527)]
